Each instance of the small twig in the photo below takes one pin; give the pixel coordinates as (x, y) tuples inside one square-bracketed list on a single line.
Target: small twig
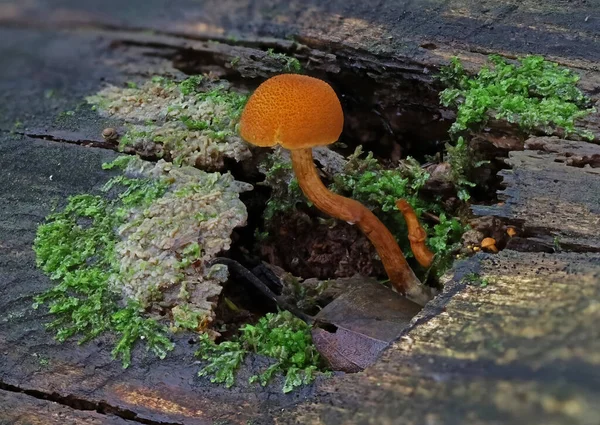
[(432, 217), (248, 276), (416, 234)]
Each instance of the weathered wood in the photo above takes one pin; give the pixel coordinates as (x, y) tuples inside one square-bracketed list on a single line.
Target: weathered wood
[(521, 350), (23, 409), (382, 58), (552, 194), (562, 29)]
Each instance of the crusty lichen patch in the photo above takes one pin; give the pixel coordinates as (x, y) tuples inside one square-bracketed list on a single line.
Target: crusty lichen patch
[(164, 246), (190, 123), (133, 259)]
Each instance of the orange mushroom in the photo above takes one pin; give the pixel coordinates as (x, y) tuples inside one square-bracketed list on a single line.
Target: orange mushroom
[(489, 244), (416, 234), (300, 112)]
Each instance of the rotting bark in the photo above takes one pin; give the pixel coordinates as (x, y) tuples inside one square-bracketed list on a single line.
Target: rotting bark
[(518, 344), (522, 350), (552, 195), (23, 409)]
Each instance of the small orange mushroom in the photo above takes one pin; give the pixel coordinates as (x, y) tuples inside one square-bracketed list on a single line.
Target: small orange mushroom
[(300, 112), (416, 234), (489, 244), (511, 231)]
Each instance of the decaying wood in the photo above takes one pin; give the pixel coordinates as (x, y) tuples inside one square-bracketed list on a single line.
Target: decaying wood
[(553, 194), (523, 349), (22, 409)]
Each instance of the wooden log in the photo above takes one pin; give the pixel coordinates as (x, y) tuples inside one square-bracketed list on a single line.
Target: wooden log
[(552, 195), (512, 340), (22, 409), (520, 350)]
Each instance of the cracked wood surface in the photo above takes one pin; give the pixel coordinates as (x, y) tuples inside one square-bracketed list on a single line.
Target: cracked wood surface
[(23, 409), (553, 194), (522, 350)]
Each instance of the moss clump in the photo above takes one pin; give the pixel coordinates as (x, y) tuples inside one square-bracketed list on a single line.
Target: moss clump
[(534, 93), (281, 336), (279, 176), (190, 123), (76, 248), (289, 63), (121, 258)]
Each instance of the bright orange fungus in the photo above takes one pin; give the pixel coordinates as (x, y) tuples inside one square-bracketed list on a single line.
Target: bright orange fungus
[(295, 111)]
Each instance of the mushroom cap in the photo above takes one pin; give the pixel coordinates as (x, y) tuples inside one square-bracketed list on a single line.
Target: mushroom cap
[(488, 242), (295, 111)]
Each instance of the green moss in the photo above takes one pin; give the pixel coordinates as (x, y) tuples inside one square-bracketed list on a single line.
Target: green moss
[(163, 81), (194, 124), (462, 164), (475, 280), (534, 93), (185, 317), (76, 248), (281, 336), (190, 85), (132, 136), (280, 178), (290, 64), (233, 102)]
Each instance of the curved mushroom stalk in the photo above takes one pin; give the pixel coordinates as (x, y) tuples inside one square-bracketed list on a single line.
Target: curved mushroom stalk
[(416, 234), (394, 262)]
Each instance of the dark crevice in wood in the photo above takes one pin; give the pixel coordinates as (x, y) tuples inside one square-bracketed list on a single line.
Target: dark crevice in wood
[(391, 105), (84, 405), (75, 141)]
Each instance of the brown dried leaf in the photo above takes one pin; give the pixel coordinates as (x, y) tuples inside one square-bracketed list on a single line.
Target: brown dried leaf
[(352, 331)]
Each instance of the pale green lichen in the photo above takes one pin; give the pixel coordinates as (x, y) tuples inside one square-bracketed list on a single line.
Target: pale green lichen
[(119, 258), (190, 123), (165, 244)]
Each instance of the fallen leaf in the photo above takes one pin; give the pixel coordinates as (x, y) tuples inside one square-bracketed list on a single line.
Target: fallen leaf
[(353, 330)]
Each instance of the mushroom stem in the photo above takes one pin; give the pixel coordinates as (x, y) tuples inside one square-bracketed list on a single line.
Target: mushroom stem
[(398, 270), (416, 234)]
